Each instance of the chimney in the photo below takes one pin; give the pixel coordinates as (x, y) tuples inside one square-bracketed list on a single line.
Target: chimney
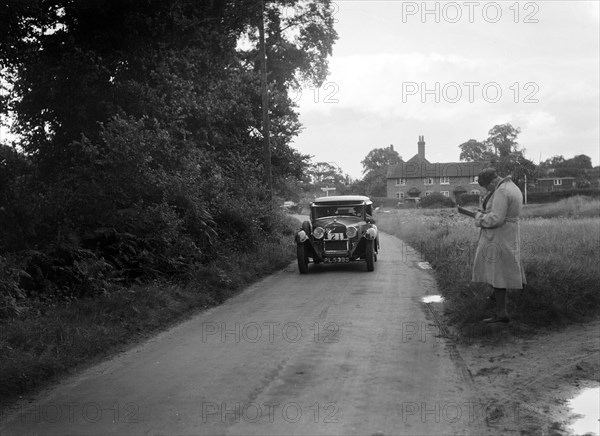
[(421, 145)]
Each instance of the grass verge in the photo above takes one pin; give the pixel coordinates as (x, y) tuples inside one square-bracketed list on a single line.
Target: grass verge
[(560, 255), (572, 207), (52, 340)]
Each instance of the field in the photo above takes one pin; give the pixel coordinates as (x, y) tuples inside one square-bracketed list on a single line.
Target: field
[(574, 207), (560, 245)]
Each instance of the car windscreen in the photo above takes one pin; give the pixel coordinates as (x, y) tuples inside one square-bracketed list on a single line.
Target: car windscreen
[(338, 210)]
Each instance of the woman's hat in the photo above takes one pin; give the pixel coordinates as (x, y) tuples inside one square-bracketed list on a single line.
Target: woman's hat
[(486, 176)]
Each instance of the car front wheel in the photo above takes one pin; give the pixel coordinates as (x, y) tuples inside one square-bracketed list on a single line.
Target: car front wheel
[(302, 259), (370, 256)]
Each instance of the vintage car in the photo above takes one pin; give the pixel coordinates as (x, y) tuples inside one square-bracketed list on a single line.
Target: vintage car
[(341, 229), (291, 207)]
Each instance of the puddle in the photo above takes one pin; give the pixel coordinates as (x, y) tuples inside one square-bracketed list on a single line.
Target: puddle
[(586, 404), (432, 299)]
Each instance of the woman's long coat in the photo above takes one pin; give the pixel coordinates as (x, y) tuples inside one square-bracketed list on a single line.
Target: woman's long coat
[(498, 256)]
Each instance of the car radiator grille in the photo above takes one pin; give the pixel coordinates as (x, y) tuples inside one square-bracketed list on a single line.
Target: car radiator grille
[(336, 245)]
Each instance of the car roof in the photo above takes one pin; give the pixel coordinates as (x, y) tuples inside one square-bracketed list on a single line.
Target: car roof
[(340, 199)]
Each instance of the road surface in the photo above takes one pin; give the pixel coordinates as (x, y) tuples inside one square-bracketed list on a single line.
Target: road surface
[(336, 351)]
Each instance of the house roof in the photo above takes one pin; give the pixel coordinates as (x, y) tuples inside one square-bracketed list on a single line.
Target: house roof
[(555, 178), (418, 167), (418, 159)]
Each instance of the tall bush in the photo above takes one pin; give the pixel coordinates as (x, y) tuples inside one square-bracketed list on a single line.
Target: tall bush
[(139, 128), (436, 200)]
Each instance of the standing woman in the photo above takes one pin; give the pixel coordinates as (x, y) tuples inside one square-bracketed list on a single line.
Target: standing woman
[(498, 257)]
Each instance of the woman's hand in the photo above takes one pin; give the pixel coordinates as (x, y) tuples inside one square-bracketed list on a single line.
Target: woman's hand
[(478, 218)]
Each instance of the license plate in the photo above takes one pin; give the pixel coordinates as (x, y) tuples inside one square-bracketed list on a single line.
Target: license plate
[(336, 259), (335, 236)]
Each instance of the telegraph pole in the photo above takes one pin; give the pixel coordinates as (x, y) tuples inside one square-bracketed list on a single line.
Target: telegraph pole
[(265, 104)]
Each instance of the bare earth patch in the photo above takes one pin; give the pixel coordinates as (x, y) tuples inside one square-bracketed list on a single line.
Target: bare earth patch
[(526, 380)]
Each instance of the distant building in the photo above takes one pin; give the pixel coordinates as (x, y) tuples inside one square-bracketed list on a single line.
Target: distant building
[(418, 178), (554, 183)]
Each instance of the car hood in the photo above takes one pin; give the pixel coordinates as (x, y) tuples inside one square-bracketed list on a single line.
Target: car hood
[(346, 221)]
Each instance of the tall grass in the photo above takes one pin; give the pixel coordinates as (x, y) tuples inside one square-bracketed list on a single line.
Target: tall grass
[(572, 207), (560, 256)]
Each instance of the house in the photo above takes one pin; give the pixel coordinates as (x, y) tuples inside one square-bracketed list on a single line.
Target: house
[(418, 178), (554, 183)]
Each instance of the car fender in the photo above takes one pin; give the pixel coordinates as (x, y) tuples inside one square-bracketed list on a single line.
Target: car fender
[(301, 237), (307, 227), (371, 233)]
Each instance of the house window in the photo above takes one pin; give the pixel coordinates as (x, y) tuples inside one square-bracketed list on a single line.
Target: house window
[(474, 179), (557, 182), (475, 192), (444, 180), (400, 182), (428, 193), (428, 181), (400, 195), (446, 193)]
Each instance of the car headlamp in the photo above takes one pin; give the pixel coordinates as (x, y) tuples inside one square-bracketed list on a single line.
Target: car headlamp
[(371, 233), (318, 233), (351, 232)]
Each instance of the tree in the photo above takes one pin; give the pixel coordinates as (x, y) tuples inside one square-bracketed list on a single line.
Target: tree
[(475, 151), (375, 166), (579, 166), (375, 183), (517, 166), (326, 172), (380, 158), (299, 39), (74, 65), (501, 150), (500, 143), (547, 167), (144, 116), (502, 139), (581, 161)]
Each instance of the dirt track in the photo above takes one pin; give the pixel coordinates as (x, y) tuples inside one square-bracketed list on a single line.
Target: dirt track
[(336, 351)]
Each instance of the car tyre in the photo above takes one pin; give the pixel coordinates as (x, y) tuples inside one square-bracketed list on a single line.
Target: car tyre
[(370, 256), (302, 259)]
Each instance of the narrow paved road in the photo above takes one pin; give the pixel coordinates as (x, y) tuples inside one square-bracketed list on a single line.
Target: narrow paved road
[(337, 351)]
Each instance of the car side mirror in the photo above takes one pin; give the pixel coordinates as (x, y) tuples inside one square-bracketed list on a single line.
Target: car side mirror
[(370, 220)]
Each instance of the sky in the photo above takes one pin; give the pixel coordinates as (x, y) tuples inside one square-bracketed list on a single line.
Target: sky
[(450, 71)]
